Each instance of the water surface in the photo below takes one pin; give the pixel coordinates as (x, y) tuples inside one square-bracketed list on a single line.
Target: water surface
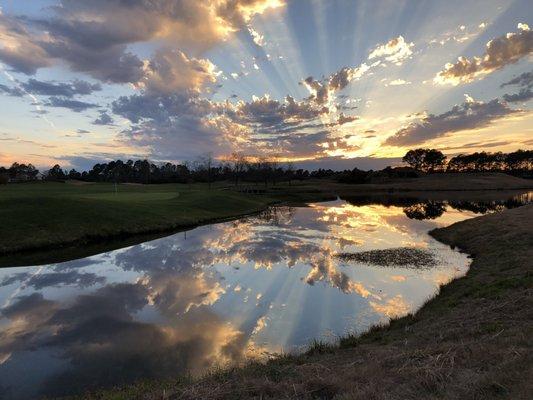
[(220, 293)]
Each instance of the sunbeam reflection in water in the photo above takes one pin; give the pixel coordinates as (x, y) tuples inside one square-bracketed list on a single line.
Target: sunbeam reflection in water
[(220, 293)]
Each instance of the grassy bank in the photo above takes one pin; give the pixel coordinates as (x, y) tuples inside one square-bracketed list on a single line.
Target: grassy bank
[(473, 341)]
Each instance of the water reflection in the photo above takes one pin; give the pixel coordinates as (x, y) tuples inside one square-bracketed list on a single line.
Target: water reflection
[(423, 207), (214, 295)]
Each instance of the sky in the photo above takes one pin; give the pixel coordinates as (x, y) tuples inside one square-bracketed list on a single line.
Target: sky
[(321, 83)]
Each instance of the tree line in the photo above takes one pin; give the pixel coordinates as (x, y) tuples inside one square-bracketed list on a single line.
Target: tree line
[(431, 160), (241, 169), (237, 169)]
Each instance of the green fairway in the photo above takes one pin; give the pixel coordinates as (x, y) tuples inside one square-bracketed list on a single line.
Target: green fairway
[(50, 215)]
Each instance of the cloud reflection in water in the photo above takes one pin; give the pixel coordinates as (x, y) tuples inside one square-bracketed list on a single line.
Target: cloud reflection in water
[(211, 296)]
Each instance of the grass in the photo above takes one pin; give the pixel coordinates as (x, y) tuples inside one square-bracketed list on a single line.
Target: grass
[(472, 341)]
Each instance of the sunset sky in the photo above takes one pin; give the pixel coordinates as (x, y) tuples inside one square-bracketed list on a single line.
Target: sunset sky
[(325, 83)]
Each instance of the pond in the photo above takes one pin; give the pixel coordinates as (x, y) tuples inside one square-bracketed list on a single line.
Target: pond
[(225, 292)]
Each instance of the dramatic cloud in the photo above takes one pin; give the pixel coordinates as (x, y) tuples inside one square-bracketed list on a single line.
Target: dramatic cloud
[(172, 71), (265, 112), (165, 119), (160, 108), (93, 37), (525, 83), (322, 91), (499, 52), (19, 48), (396, 51), (469, 115)]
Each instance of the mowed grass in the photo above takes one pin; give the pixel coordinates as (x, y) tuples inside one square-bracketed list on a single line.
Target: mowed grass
[(44, 215)]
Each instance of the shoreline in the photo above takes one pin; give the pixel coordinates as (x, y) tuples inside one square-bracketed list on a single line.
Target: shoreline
[(57, 240), (472, 340)]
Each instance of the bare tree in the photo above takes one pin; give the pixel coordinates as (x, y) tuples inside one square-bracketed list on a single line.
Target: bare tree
[(240, 163), (289, 169), (205, 162)]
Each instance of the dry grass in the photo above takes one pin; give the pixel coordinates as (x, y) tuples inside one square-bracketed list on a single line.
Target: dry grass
[(473, 341)]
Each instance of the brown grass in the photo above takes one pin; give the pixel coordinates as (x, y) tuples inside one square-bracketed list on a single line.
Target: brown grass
[(473, 341)]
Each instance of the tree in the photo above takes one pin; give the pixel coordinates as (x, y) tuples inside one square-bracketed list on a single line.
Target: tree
[(4, 178), (73, 174), (239, 165), (22, 172), (354, 176), (426, 210), (56, 174), (205, 164), (520, 160), (289, 171), (426, 160)]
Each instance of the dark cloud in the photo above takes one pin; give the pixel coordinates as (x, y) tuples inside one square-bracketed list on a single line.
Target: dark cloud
[(265, 112), (114, 64), (156, 107), (522, 95), (71, 89), (469, 115), (74, 105), (522, 80), (525, 83), (11, 91), (181, 138), (104, 119), (33, 305)]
